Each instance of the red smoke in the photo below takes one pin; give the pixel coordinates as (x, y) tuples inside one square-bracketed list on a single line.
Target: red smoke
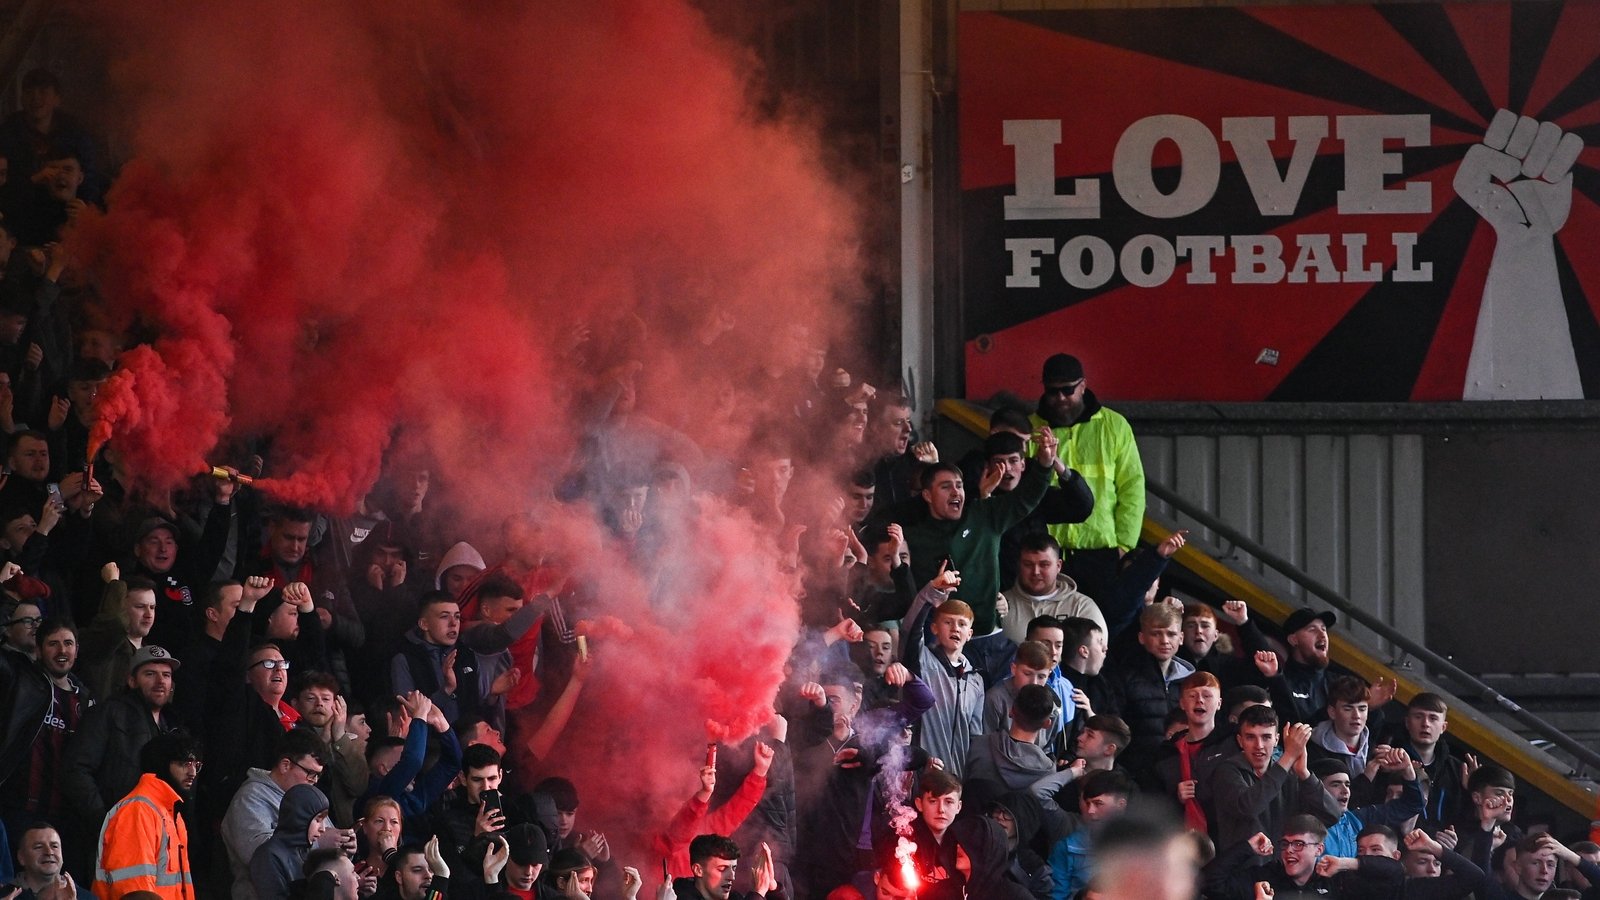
[(348, 221)]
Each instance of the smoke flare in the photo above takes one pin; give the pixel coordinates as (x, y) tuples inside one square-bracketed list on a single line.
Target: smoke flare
[(481, 229)]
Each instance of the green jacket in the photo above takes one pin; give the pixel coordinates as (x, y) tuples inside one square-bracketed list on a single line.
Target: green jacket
[(1100, 447), (972, 542)]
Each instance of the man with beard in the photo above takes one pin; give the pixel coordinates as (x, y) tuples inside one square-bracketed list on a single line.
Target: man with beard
[(45, 701), (1300, 686), (42, 874), (102, 761), (1298, 870), (27, 470), (1099, 443), (144, 843)]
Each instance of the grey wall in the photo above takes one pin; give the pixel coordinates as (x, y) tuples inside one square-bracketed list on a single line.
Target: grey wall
[(1348, 509)]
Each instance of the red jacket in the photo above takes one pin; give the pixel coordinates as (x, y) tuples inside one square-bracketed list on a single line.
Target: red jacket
[(694, 819)]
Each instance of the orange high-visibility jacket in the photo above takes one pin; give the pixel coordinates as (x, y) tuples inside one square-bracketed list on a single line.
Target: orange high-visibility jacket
[(144, 845)]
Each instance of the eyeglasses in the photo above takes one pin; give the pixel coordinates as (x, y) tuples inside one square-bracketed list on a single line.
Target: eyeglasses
[(1299, 846), (194, 764), (31, 621), (270, 664), (311, 775)]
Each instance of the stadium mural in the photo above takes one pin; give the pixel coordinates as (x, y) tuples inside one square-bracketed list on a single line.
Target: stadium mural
[(1284, 203)]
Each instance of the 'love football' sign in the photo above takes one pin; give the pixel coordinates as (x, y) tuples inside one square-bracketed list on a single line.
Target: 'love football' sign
[(1379, 203)]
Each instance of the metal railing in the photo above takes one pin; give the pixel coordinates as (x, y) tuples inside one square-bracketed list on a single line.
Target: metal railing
[(1586, 757)]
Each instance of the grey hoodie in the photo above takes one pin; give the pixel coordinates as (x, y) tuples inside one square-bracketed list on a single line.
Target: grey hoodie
[(251, 818), (1063, 602), (1001, 758), (1328, 745)]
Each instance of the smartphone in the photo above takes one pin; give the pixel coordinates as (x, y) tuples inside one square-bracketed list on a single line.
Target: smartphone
[(54, 490), (491, 800)]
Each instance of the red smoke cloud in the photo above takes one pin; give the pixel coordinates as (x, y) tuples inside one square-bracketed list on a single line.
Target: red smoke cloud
[(348, 221)]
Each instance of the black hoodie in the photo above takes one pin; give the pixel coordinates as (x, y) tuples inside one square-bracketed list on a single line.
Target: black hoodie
[(276, 864)]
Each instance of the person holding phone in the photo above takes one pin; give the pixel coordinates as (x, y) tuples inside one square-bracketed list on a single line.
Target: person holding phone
[(474, 810)]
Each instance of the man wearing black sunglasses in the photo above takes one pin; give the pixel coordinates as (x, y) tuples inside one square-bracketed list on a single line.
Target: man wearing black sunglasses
[(1098, 443)]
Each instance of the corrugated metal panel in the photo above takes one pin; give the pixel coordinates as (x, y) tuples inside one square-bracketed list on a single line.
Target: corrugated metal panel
[(1345, 508)]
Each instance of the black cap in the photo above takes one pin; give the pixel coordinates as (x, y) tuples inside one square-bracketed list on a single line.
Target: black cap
[(1002, 443), (153, 524), (528, 845), (1061, 369), (1304, 616), (1325, 767)]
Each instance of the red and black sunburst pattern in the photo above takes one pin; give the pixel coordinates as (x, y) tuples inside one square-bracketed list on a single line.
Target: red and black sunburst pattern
[(1098, 71)]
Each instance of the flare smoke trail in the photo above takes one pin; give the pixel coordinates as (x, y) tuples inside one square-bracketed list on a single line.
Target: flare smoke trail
[(347, 220)]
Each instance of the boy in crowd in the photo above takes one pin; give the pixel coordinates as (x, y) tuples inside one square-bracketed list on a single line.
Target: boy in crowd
[(1146, 683), (1031, 666), (1187, 759), (1396, 813), (946, 731), (1251, 792), (1344, 735)]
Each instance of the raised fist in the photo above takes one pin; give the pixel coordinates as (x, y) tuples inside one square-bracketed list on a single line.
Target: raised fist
[(1520, 177), (1520, 180)]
